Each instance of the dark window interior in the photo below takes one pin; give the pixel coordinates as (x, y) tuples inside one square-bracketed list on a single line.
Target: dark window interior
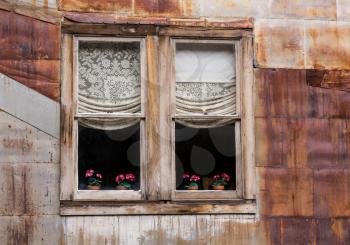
[(205, 152), (110, 153)]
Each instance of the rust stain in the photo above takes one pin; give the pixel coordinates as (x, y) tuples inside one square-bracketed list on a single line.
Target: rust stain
[(327, 47), (40, 75), (337, 79), (121, 6), (158, 7), (20, 144)]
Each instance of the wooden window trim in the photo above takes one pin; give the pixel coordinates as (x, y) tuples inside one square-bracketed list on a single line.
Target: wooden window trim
[(158, 189)]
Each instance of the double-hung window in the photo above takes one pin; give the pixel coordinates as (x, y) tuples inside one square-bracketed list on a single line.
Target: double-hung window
[(165, 116), (206, 117)]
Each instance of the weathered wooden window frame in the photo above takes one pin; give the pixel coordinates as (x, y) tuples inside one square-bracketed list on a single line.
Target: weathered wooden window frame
[(108, 195), (158, 195), (208, 194)]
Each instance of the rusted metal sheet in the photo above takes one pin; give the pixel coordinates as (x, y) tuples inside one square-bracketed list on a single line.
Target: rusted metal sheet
[(281, 93), (286, 192), (311, 9), (337, 79), (332, 193), (326, 45), (37, 11), (343, 10), (99, 18), (332, 231), (30, 52), (279, 44), (121, 6), (229, 8), (286, 93), (298, 231), (26, 38), (40, 75), (158, 7), (303, 143)]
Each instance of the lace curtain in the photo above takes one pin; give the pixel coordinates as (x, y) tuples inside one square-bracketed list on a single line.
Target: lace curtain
[(205, 83), (109, 82)]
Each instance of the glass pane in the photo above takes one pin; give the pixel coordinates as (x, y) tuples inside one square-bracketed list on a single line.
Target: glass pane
[(208, 154), (110, 153), (205, 62), (109, 77), (205, 79)]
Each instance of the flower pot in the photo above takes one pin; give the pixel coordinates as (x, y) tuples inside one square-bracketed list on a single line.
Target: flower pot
[(192, 187), (218, 187), (121, 188), (94, 187)]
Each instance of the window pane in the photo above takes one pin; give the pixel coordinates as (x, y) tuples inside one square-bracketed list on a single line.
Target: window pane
[(109, 153), (205, 153), (205, 62), (205, 79), (109, 77)]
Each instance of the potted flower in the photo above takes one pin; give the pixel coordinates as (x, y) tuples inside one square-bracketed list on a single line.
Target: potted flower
[(220, 180), (94, 179), (125, 182), (191, 183)]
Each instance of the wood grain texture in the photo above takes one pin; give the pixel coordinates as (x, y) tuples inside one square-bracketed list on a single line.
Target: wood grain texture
[(68, 127), (157, 208), (152, 120), (107, 18)]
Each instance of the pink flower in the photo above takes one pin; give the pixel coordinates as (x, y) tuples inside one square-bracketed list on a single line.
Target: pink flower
[(216, 177), (119, 178), (99, 176), (226, 177), (89, 173), (185, 176), (130, 177), (194, 178)]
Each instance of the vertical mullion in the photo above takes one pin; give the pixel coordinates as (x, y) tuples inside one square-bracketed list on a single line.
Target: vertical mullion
[(67, 121), (248, 142), (152, 121), (165, 127)]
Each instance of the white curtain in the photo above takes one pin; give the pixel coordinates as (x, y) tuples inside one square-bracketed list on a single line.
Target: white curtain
[(205, 83), (109, 82)]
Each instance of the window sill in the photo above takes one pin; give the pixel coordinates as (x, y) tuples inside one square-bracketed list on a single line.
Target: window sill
[(69, 208)]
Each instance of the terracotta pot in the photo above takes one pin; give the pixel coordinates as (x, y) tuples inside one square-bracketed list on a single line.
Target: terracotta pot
[(94, 187), (121, 188), (218, 187), (192, 188)]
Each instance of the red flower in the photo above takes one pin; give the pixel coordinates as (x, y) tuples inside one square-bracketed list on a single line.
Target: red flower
[(119, 178), (99, 176), (130, 177), (89, 173), (217, 177), (194, 178), (185, 176), (226, 177)]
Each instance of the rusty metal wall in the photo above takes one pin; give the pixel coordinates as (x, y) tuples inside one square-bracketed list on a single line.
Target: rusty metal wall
[(302, 112)]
